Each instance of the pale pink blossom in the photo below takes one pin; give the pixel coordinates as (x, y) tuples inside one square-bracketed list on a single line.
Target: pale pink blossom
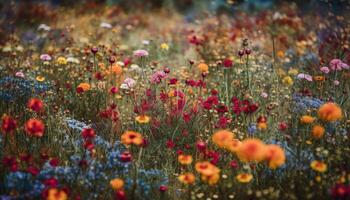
[(325, 70), (305, 76), (140, 53), (45, 57)]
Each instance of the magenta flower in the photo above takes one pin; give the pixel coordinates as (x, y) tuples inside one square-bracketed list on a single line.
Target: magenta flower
[(140, 53), (19, 74), (335, 64), (158, 76)]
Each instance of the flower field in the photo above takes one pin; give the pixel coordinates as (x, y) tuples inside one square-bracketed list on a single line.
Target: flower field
[(161, 99)]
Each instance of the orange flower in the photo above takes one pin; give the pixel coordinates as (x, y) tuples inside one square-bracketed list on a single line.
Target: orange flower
[(55, 194), (330, 112), (203, 67), (34, 127), (142, 119), (222, 138), (185, 159), (84, 86), (317, 131), (117, 184), (307, 119), (233, 145), (131, 137), (187, 178), (118, 70), (275, 156), (319, 78), (244, 178), (251, 150), (262, 126), (318, 166), (212, 179), (206, 168)]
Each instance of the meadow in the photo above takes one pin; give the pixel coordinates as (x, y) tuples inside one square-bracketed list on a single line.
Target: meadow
[(109, 102)]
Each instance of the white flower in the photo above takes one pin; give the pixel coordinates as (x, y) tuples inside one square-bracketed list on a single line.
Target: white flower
[(105, 25), (44, 27), (145, 42), (73, 60), (135, 68)]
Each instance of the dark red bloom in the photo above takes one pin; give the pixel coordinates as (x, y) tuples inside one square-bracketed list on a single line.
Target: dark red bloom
[(170, 144), (35, 104), (8, 124), (227, 63), (125, 156), (163, 188), (33, 170), (88, 133)]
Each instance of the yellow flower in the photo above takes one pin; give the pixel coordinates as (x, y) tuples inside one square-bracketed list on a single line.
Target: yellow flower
[(55, 194), (40, 78), (142, 119), (317, 131), (164, 46), (222, 138), (211, 179), (185, 159), (318, 166), (244, 177), (287, 80), (206, 168), (117, 183), (61, 60), (187, 178), (293, 72), (307, 119), (330, 112)]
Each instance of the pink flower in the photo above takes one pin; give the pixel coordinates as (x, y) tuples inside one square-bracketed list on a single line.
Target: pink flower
[(19, 74), (325, 70), (336, 64), (140, 53), (45, 57), (336, 82), (158, 76), (128, 83), (305, 76)]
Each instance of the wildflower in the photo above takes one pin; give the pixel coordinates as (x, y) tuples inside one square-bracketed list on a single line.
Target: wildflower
[(222, 138), (40, 78), (163, 188), (142, 119), (56, 194), (128, 84), (125, 156), (262, 126), (140, 53), (164, 46), (324, 70), (305, 76), (187, 178), (251, 150), (105, 25), (203, 67), (336, 82), (19, 74), (318, 166), (206, 168), (287, 80), (185, 159), (88, 133), (8, 124), (131, 137), (211, 179), (244, 177), (330, 112), (233, 145), (337, 65), (319, 78), (45, 57), (227, 63), (83, 87), (117, 69), (275, 156), (61, 60), (317, 131), (35, 127), (307, 119), (340, 191), (35, 104), (120, 195), (117, 184), (158, 76), (293, 72)]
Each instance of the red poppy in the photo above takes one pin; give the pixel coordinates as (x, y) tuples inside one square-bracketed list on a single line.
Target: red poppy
[(8, 124), (35, 127), (35, 104)]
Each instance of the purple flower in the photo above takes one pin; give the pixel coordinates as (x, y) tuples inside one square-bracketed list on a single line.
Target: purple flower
[(140, 53), (45, 57), (305, 76), (325, 70), (158, 76)]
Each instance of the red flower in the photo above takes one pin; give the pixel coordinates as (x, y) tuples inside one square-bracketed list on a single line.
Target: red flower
[(8, 124), (227, 63), (33, 170), (88, 133), (170, 144), (35, 104), (51, 182), (35, 127), (120, 195), (54, 162), (125, 156), (163, 188)]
